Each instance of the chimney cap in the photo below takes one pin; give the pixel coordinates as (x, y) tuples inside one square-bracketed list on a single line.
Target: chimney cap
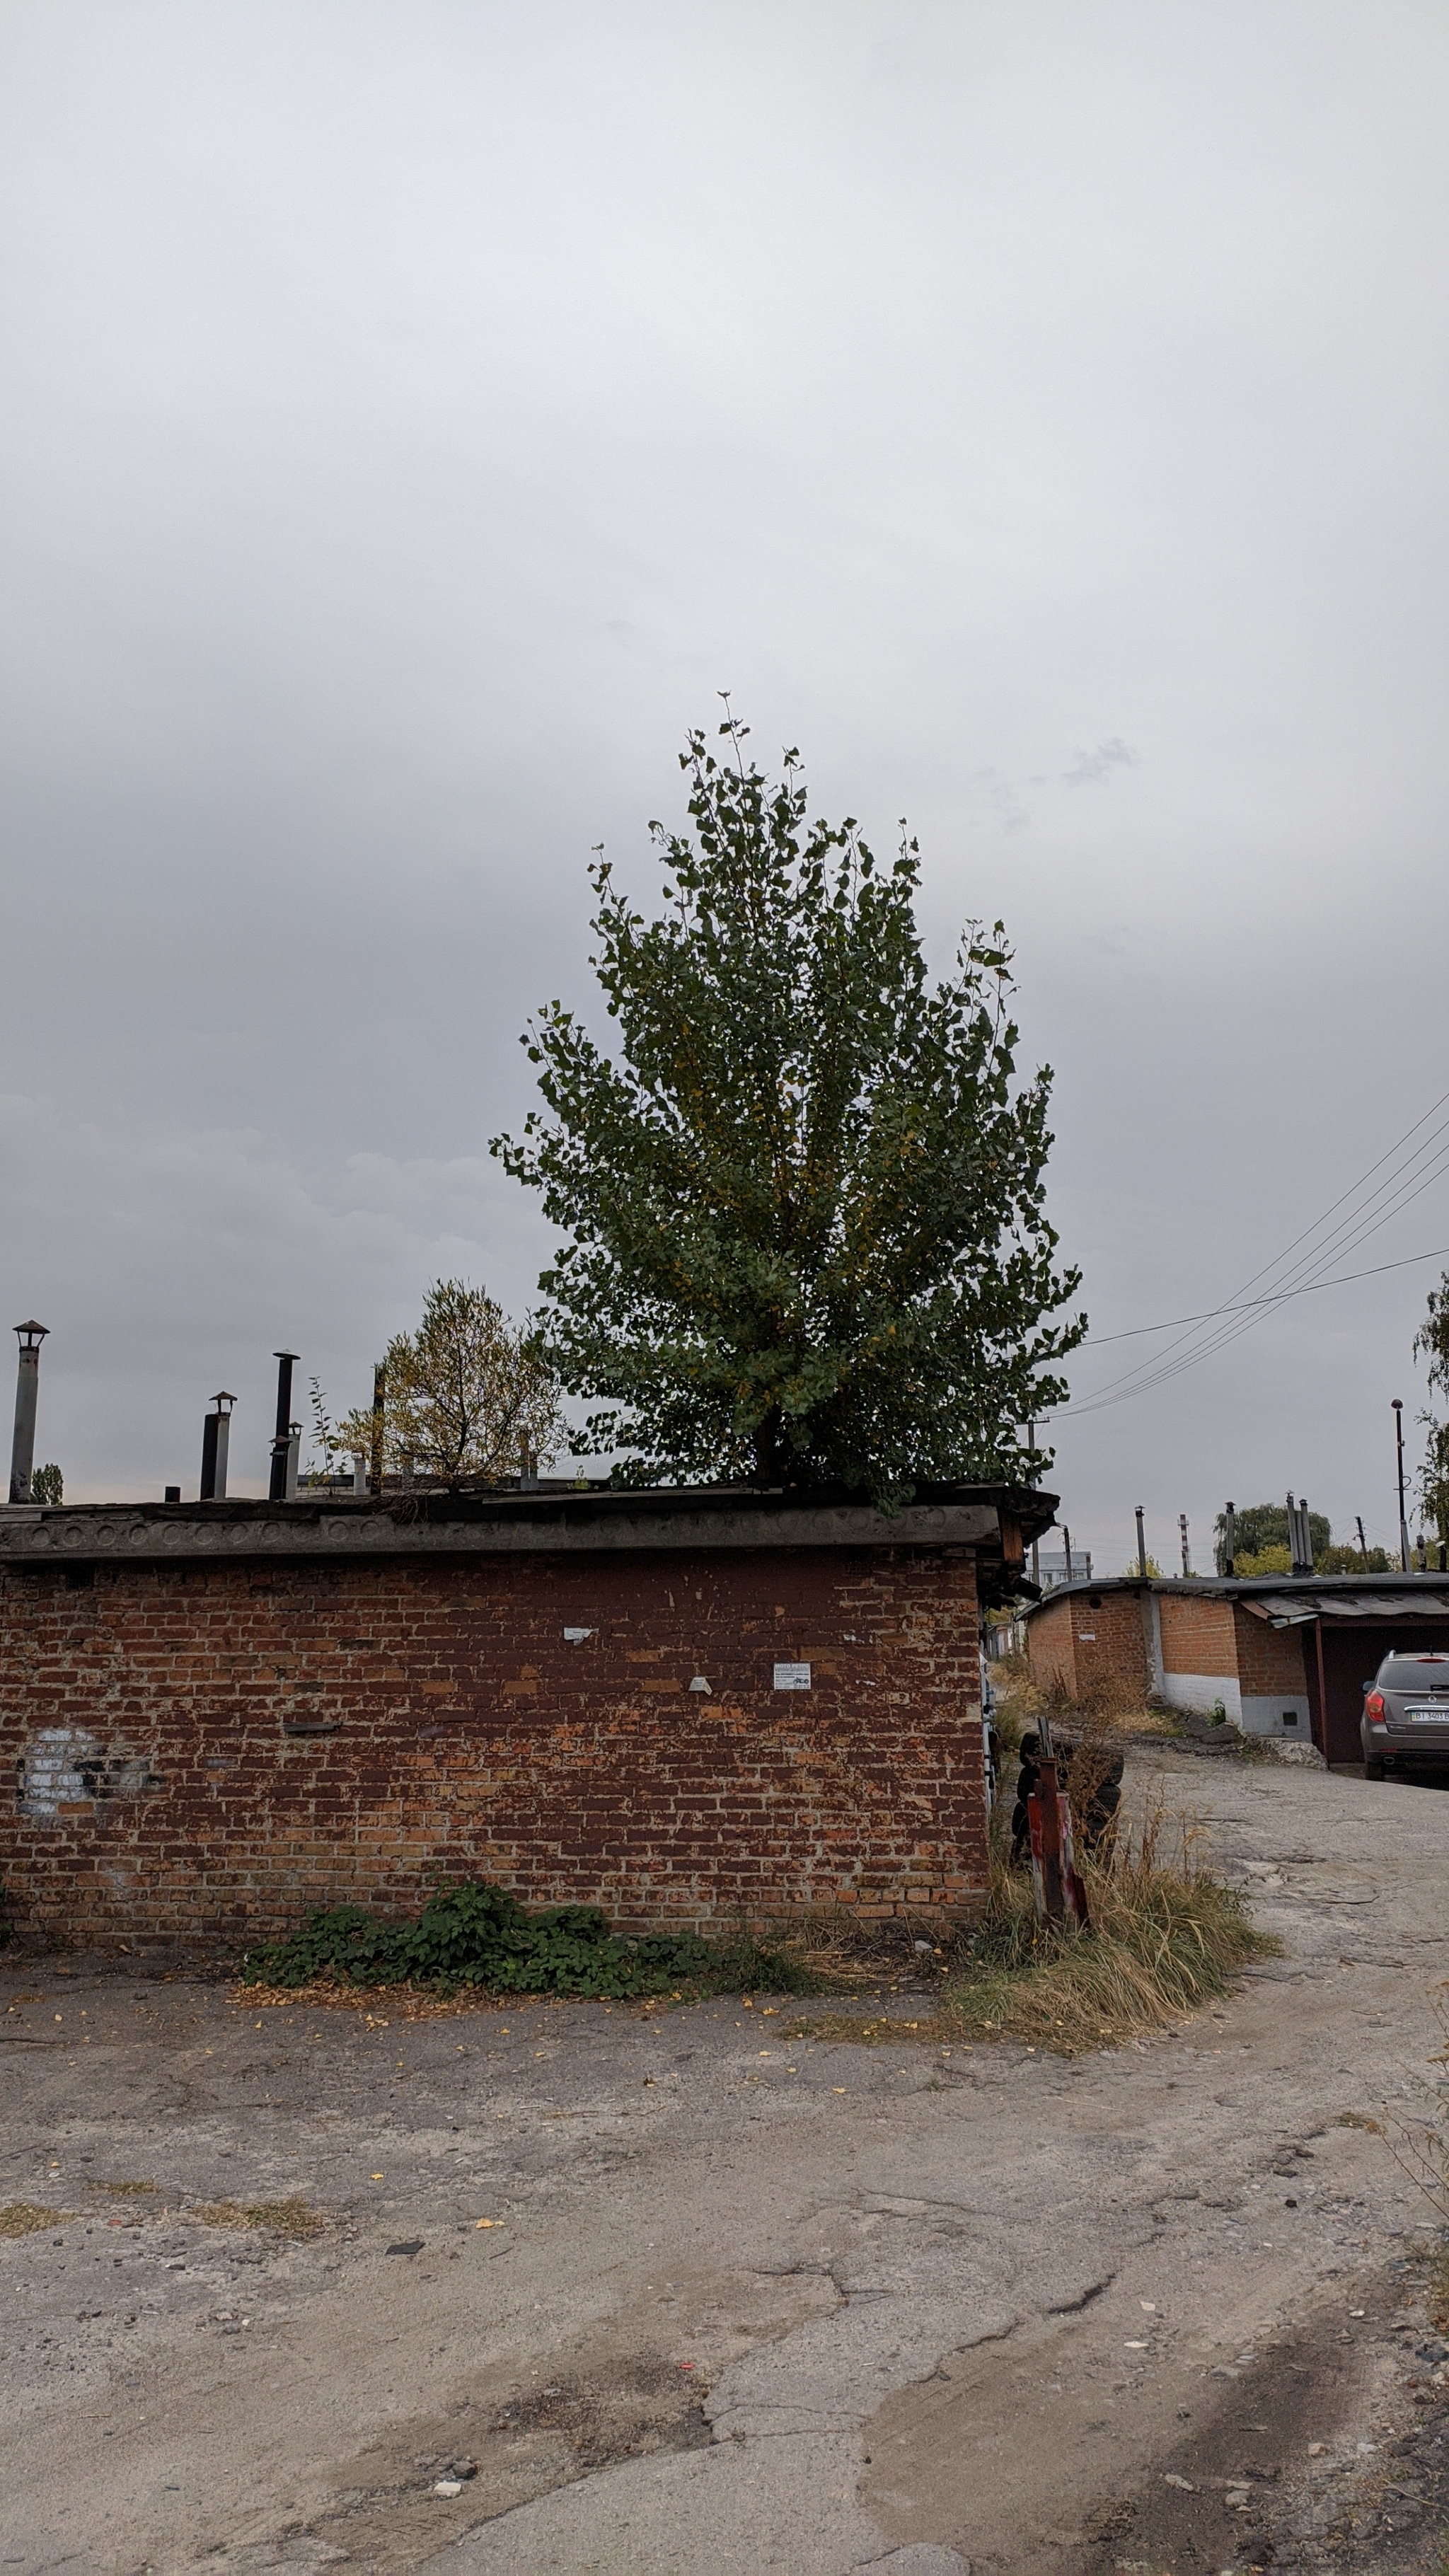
[(286, 1355), (32, 1334), (222, 1398)]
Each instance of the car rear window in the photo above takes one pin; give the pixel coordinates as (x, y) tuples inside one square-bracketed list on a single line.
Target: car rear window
[(1414, 1672)]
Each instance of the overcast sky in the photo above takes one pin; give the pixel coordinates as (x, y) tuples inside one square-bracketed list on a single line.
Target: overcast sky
[(414, 413)]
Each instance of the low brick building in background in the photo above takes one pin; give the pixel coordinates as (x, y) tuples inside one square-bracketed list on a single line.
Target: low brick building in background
[(693, 1709), (1280, 1655)]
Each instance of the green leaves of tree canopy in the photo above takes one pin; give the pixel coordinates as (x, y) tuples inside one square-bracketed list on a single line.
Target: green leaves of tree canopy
[(805, 1203), (1431, 1342)]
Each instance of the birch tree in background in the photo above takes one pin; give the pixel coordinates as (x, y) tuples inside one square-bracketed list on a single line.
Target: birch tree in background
[(470, 1397)]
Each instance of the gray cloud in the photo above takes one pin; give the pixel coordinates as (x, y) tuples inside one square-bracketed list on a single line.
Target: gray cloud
[(415, 415), (1091, 768)]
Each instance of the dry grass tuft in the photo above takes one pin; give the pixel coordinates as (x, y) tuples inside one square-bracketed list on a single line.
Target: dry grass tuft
[(26, 2218), (294, 2218), (1165, 1939), (126, 2190)]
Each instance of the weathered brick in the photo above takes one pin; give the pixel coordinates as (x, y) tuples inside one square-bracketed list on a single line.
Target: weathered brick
[(470, 1738)]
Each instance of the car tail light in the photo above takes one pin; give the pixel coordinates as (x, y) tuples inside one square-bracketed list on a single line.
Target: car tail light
[(1374, 1708)]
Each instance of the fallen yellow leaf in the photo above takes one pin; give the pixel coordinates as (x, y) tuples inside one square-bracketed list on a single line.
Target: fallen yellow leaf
[(487, 2222)]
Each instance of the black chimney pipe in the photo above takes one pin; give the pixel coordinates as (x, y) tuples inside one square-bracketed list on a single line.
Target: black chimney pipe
[(215, 1437), (277, 1489)]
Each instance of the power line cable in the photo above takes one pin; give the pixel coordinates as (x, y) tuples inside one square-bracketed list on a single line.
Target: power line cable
[(1363, 1216)]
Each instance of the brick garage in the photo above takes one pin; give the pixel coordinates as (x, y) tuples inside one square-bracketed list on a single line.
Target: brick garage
[(1094, 1645), (1284, 1656), (220, 1715)]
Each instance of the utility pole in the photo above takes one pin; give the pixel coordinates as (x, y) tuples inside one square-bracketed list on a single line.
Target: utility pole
[(1398, 1411), (1362, 1541), (1230, 1539), (1141, 1545), (1067, 1543), (1186, 1559), (1036, 1544)]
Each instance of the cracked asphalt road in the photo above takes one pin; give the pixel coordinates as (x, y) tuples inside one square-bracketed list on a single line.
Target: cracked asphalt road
[(742, 2302)]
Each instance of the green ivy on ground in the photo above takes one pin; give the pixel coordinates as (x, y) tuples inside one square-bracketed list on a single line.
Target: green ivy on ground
[(477, 1935)]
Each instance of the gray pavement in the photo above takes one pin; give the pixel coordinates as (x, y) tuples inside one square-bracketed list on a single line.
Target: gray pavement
[(744, 2302)]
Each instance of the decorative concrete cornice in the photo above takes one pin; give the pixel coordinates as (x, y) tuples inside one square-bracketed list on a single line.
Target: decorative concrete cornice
[(439, 1525)]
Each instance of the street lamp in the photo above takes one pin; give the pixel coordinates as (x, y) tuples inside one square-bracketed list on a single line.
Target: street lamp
[(1399, 1446)]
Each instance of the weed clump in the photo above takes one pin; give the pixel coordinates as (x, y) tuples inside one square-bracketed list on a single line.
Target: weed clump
[(478, 1935), (26, 2218), (1165, 1938), (294, 2218)]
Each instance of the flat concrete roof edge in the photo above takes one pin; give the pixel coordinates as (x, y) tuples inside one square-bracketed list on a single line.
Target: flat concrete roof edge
[(338, 1530)]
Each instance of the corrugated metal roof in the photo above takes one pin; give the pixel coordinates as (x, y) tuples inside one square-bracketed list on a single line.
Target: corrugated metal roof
[(1291, 1609)]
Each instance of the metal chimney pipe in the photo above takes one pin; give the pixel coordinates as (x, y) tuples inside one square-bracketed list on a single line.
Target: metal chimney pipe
[(27, 1389), (1141, 1545), (293, 1462), (379, 1405), (282, 1438), (1230, 1539), (215, 1440)]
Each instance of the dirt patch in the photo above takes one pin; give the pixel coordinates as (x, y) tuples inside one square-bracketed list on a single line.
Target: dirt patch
[(571, 2420), (290, 2218), (26, 2218), (867, 2030), (379, 2004)]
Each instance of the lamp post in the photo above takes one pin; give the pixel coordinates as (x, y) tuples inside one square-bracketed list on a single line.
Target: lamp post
[(215, 1439), (27, 1388)]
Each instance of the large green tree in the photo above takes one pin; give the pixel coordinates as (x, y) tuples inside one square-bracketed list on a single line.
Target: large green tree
[(804, 1199), (1431, 1342)]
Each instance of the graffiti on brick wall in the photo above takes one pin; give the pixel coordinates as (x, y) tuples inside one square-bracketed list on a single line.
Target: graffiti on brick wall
[(63, 1766)]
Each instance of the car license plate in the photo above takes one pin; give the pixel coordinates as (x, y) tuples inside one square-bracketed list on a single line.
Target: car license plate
[(1429, 1716)]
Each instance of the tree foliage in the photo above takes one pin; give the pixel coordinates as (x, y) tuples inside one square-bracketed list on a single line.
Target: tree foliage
[(1262, 1530), (804, 1202), (468, 1394), (1431, 1342)]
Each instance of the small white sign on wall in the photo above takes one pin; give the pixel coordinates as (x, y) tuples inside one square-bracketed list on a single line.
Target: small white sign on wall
[(792, 1677)]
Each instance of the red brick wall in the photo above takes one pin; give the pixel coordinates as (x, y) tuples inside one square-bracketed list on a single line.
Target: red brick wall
[(1098, 1654), (1270, 1660), (470, 1738), (1051, 1648), (1197, 1634)]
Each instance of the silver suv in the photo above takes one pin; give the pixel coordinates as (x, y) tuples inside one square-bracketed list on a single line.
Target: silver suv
[(1405, 1713)]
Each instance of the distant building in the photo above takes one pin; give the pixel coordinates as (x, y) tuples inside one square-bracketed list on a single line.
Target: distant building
[(1274, 1654), (1052, 1570)]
